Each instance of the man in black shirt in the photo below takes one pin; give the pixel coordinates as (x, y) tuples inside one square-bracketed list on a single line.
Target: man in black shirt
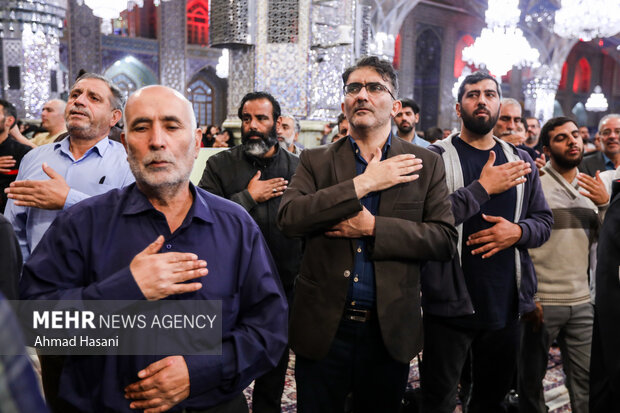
[(11, 151), (255, 175)]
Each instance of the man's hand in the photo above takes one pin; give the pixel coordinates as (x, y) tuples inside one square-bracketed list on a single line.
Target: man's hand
[(6, 163), (500, 236), (262, 191), (380, 175), (163, 385), (535, 318), (540, 162), (594, 188), (515, 139), (17, 135), (161, 275), (361, 225), (48, 194), (497, 179)]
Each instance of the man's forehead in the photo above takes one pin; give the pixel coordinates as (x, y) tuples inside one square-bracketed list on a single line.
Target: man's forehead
[(483, 85), (569, 127), (611, 123), (288, 121), (96, 85), (366, 73), (511, 110), (151, 108), (261, 106), (406, 109)]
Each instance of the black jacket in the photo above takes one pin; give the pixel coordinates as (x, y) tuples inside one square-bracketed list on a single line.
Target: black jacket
[(228, 173)]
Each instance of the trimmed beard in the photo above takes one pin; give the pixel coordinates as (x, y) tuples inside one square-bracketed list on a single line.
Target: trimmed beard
[(402, 131), (479, 126), (259, 147), (564, 162)]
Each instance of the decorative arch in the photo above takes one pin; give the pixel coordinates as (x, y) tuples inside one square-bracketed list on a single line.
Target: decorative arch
[(564, 78), (198, 22), (427, 76), (200, 93), (207, 93), (583, 76), (459, 64), (130, 74)]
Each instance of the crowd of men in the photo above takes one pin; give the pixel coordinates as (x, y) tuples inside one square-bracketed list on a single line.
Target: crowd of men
[(478, 249)]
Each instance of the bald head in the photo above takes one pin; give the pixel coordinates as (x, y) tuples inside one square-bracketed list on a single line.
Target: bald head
[(53, 116), (160, 92), (162, 140)]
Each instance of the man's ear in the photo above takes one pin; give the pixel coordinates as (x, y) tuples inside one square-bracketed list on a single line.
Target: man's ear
[(397, 105), (458, 110), (117, 114), (417, 118), (198, 141)]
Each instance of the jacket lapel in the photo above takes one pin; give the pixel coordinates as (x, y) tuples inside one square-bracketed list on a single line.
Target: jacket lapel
[(390, 195), (343, 159)]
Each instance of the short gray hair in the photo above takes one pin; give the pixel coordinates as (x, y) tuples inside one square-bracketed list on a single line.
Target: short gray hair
[(297, 124), (511, 101), (605, 119), (118, 100)]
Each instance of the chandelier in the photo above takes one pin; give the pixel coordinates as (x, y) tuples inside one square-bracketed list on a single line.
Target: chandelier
[(597, 101), (108, 10), (501, 44), (587, 19), (38, 15)]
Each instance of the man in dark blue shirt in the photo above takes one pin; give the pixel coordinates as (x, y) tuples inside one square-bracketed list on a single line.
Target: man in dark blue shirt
[(152, 240)]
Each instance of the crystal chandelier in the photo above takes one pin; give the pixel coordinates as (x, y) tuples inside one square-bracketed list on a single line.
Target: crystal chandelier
[(501, 44), (108, 10), (587, 19), (39, 15), (597, 101)]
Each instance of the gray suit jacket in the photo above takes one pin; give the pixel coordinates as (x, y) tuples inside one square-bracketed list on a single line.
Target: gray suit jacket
[(414, 224)]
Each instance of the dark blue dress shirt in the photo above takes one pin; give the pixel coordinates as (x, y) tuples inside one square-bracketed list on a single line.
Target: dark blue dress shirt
[(86, 255), (362, 292)]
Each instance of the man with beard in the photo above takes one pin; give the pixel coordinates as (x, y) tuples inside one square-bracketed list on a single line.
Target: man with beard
[(159, 234), (406, 120), (533, 133), (11, 151), (288, 131), (473, 304), (563, 306), (255, 175), (86, 163)]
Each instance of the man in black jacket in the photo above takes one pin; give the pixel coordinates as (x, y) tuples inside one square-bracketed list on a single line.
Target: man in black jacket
[(255, 175)]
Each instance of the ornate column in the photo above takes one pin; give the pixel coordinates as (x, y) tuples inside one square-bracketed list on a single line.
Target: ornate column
[(84, 40), (29, 68), (172, 34)]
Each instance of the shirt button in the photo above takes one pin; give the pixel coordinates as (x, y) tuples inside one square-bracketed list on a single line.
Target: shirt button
[(356, 279), (353, 303), (359, 249), (347, 273), (168, 246)]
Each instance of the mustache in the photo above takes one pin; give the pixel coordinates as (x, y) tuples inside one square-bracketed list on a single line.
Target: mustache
[(157, 157)]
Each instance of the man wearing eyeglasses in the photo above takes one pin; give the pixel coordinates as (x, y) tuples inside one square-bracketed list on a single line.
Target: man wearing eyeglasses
[(609, 158), (370, 207)]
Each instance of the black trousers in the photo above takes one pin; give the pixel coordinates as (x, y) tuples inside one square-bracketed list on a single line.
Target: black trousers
[(493, 357), (358, 364), (268, 389)]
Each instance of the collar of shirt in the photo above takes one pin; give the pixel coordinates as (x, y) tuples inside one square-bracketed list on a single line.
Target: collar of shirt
[(138, 203), (359, 157), (99, 148), (609, 165)]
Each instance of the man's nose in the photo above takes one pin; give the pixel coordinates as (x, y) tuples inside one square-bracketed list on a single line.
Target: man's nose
[(156, 138)]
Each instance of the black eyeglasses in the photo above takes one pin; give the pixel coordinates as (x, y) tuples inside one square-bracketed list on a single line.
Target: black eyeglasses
[(372, 88)]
